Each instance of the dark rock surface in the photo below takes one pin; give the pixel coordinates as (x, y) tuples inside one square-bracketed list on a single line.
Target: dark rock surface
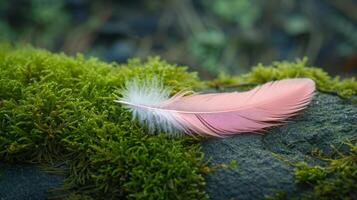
[(262, 160), (25, 182)]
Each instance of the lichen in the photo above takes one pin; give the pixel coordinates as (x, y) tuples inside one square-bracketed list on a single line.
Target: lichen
[(57, 109), (279, 70)]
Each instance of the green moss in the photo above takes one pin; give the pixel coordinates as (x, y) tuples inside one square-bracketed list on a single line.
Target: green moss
[(280, 70), (309, 174), (60, 109)]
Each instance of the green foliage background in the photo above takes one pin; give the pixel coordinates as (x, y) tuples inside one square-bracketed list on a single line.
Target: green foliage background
[(208, 35)]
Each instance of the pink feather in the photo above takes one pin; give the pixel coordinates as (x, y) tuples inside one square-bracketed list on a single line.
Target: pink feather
[(219, 114)]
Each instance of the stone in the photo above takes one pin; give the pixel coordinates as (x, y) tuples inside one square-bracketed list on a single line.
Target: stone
[(25, 181), (264, 161)]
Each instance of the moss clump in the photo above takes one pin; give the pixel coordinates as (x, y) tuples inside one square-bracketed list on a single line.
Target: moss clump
[(280, 70), (60, 109)]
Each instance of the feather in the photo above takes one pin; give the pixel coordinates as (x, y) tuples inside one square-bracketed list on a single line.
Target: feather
[(216, 114)]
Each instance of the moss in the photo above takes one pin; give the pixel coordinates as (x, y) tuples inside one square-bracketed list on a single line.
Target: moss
[(280, 70), (59, 109)]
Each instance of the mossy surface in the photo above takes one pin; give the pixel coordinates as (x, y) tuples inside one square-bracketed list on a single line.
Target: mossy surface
[(279, 70), (59, 109)]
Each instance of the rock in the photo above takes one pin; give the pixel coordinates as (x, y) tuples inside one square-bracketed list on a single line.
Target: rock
[(24, 181), (262, 160)]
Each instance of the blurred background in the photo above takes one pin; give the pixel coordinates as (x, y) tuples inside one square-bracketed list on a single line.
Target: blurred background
[(209, 36)]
